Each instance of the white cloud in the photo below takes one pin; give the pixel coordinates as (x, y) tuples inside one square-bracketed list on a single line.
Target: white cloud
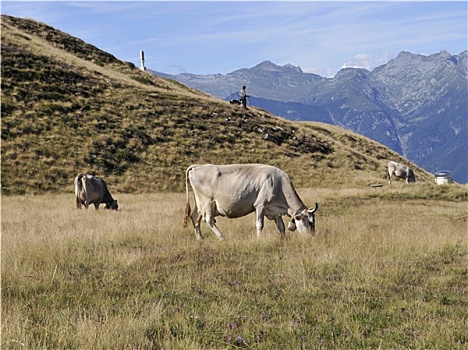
[(206, 37), (369, 62), (323, 72)]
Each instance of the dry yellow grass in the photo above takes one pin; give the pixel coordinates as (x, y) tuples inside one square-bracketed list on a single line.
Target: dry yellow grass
[(387, 269)]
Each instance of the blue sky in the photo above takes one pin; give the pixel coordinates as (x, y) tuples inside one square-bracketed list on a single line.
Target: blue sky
[(220, 36)]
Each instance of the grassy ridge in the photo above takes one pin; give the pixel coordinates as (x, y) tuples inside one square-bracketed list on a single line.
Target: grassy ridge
[(387, 269), (68, 107)]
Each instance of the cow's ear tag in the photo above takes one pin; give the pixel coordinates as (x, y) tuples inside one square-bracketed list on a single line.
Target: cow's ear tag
[(292, 226)]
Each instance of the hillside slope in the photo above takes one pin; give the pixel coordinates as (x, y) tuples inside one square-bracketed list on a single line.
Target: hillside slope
[(415, 104), (68, 107)]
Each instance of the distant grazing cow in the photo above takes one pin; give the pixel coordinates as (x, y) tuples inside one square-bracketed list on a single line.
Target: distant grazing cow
[(239, 189), (401, 171), (90, 189)]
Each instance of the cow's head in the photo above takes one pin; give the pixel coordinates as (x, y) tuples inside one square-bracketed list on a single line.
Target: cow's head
[(411, 177), (113, 205), (304, 221)]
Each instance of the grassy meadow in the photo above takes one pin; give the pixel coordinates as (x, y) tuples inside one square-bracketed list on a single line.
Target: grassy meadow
[(388, 269)]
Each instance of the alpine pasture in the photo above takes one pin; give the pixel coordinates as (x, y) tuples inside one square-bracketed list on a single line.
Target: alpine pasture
[(387, 269)]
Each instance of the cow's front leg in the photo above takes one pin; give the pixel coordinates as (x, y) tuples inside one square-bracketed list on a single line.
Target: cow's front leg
[(96, 206), (260, 220), (280, 224)]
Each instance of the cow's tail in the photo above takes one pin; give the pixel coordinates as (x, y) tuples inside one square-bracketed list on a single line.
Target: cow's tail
[(79, 190), (390, 171), (187, 206), (79, 183), (78, 179)]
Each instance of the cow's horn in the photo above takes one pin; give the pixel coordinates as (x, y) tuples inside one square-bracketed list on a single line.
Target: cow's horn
[(314, 209)]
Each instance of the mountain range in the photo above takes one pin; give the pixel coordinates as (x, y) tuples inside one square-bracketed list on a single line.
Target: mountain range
[(415, 104)]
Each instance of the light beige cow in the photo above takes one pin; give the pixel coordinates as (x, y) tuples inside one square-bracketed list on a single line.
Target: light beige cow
[(91, 189), (401, 171), (236, 190)]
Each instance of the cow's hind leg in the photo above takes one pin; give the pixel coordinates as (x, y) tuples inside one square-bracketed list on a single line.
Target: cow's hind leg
[(209, 219), (195, 217), (215, 229)]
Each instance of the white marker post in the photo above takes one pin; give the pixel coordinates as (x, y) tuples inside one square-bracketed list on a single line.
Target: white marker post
[(142, 59)]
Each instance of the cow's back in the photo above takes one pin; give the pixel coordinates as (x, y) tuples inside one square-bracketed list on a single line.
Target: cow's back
[(94, 188), (237, 188), (234, 179)]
